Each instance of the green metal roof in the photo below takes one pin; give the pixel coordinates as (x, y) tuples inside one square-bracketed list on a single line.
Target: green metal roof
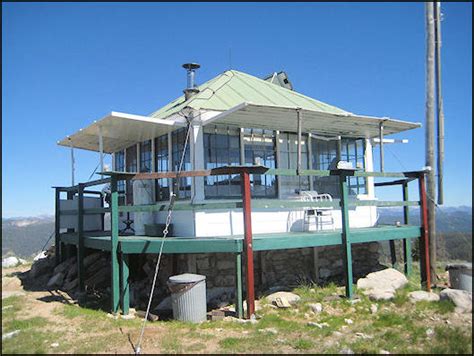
[(232, 88)]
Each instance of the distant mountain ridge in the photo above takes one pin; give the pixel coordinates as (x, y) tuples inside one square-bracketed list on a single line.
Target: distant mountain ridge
[(25, 236)]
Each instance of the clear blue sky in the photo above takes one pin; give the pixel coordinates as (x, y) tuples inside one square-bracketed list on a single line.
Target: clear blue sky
[(65, 65)]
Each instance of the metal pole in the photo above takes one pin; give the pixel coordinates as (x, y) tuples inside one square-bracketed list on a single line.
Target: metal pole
[(101, 149), (429, 139), (339, 149), (439, 100), (381, 146), (298, 118), (72, 161), (248, 248)]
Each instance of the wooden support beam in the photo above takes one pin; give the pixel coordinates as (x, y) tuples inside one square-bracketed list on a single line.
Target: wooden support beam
[(114, 290), (408, 265), (248, 248), (124, 285), (424, 239), (239, 308), (80, 236)]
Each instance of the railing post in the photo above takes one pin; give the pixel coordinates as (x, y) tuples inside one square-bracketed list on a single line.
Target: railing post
[(346, 244), (57, 227), (406, 242), (80, 236), (248, 248), (115, 282), (424, 240)]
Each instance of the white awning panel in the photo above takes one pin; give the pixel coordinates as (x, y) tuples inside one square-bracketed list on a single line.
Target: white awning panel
[(285, 119), (119, 131)]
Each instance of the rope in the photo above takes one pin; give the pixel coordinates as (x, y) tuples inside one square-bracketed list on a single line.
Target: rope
[(165, 233), (50, 236)]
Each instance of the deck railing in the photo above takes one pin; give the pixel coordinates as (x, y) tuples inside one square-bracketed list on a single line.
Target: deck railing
[(404, 178)]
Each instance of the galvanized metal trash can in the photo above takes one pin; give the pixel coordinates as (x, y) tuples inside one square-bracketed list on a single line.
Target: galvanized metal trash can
[(188, 297), (460, 276)]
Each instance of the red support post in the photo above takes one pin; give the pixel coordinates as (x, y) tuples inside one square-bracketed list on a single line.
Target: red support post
[(247, 210), (424, 240)]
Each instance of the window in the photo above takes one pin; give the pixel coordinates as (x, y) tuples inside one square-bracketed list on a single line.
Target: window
[(161, 165), (259, 146), (145, 156), (288, 146), (353, 151), (131, 160), (221, 148), (120, 167), (178, 139), (325, 156)]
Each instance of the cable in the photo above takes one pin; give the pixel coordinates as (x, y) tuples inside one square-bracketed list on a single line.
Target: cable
[(50, 236), (165, 233)]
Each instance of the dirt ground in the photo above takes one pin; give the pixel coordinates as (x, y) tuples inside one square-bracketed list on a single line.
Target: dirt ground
[(51, 322)]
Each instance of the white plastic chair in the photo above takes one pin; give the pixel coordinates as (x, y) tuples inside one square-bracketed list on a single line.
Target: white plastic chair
[(322, 215)]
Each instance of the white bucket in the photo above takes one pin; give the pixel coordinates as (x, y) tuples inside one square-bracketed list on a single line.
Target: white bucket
[(460, 276), (143, 194)]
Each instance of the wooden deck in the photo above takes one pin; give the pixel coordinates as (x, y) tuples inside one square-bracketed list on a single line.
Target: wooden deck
[(234, 244)]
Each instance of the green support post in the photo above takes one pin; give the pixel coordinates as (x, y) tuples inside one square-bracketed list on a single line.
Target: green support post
[(238, 286), (125, 286), (346, 244), (115, 282), (57, 227), (80, 236), (393, 253), (406, 242)]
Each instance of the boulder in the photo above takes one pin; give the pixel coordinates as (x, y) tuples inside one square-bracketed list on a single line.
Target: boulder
[(461, 298), (56, 280), (41, 267), (316, 307), (10, 262), (292, 298), (40, 256), (420, 295), (382, 285)]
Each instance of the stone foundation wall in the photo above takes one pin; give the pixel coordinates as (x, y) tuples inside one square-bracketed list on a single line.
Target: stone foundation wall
[(272, 268)]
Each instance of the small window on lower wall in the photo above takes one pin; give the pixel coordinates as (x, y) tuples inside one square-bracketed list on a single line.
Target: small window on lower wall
[(221, 148)]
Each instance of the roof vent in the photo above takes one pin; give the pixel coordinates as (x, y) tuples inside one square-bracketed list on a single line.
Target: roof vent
[(191, 88), (280, 78)]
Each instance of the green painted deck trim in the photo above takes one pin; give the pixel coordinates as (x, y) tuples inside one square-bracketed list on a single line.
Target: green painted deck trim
[(95, 242), (143, 244), (261, 242)]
